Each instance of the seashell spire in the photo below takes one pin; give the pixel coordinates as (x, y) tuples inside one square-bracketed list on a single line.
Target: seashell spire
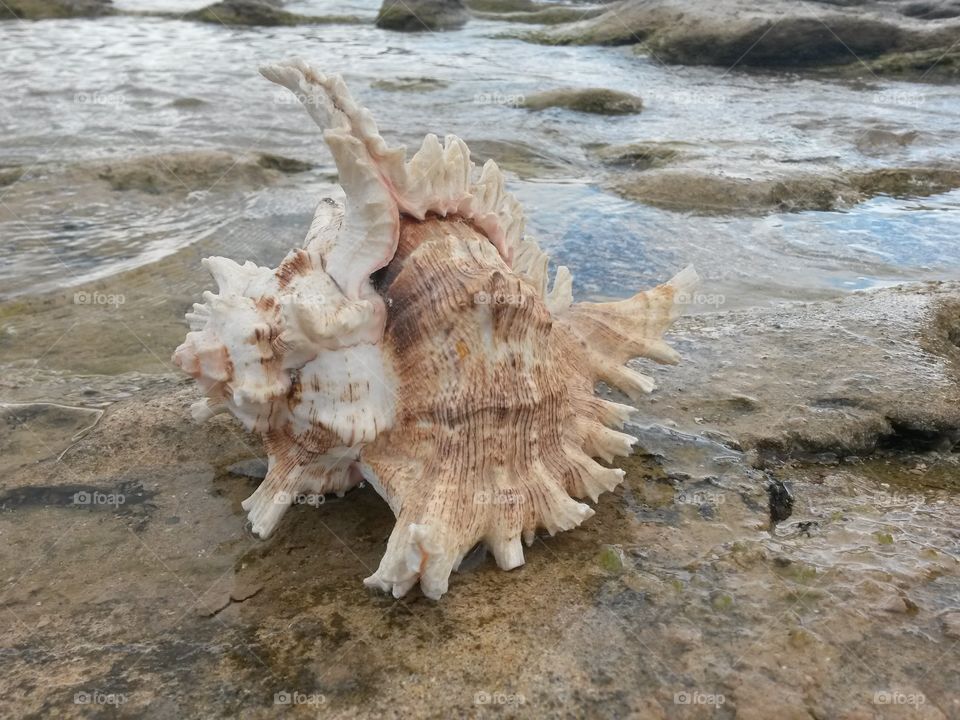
[(416, 342)]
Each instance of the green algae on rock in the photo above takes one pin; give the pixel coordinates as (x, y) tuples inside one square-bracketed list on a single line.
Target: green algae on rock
[(598, 101)]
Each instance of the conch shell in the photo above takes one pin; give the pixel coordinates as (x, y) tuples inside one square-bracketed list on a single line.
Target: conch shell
[(413, 342)]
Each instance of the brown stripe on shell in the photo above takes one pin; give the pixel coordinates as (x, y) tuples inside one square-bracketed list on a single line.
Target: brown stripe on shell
[(296, 264)]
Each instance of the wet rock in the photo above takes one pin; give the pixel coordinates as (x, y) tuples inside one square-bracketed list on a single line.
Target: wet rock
[(599, 101), (197, 170), (408, 84), (52, 9), (260, 12), (288, 166), (951, 625), (175, 172), (9, 175), (736, 32), (878, 142), (932, 9), (188, 103), (875, 370), (709, 193), (763, 42), (418, 15), (641, 155), (37, 431), (935, 64), (611, 559), (503, 6), (518, 157), (255, 469), (190, 603), (535, 13), (905, 182), (781, 502)]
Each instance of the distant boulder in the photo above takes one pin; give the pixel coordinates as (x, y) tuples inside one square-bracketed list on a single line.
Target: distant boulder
[(417, 15)]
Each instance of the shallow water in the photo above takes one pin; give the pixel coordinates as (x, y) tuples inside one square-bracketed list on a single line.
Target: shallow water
[(136, 86)]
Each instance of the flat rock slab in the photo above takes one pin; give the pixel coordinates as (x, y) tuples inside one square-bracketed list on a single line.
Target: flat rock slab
[(875, 368), (132, 586)]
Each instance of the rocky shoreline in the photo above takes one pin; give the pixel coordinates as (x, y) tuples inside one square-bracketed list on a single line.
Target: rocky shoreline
[(785, 541), (851, 404), (901, 39)]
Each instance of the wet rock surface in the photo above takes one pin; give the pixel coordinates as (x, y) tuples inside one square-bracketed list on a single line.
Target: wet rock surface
[(421, 15), (598, 101), (785, 541), (531, 12), (874, 370), (54, 9), (780, 34), (177, 172), (789, 190), (260, 12), (677, 595)]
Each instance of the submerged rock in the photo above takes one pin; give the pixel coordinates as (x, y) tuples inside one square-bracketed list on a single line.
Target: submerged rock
[(641, 155), (259, 12), (599, 101), (879, 142), (199, 170), (408, 84), (51, 9), (417, 15)]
